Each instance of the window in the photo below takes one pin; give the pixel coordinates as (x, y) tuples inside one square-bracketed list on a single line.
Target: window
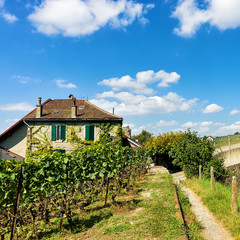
[(61, 150), (58, 132), (89, 132)]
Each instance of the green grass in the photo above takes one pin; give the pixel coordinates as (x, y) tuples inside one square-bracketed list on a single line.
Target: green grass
[(147, 212), (218, 202)]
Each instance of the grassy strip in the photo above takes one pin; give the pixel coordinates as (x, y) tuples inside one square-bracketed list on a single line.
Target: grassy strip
[(147, 212), (193, 226), (218, 201)]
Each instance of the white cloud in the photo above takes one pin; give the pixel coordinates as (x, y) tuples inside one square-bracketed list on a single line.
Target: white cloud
[(140, 82), (202, 128), (163, 123), (197, 124), (25, 79), (82, 17), (141, 105), (136, 131), (10, 18), (229, 129), (24, 106), (131, 125), (233, 112), (219, 124), (61, 83), (222, 14), (212, 108)]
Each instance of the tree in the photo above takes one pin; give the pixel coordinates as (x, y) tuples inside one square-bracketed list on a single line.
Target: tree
[(190, 151), (160, 146), (143, 137)]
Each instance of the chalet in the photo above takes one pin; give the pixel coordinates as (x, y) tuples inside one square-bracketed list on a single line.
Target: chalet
[(56, 123)]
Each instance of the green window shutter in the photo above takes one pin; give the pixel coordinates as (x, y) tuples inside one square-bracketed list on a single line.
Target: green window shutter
[(53, 132), (87, 132), (61, 151), (91, 133), (63, 132)]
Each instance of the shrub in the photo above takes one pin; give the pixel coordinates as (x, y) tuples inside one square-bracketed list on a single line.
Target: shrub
[(160, 146), (190, 151)]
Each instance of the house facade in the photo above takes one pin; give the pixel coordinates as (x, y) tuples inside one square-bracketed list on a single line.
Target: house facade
[(59, 124)]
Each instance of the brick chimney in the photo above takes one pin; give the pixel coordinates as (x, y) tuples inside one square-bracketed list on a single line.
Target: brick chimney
[(128, 132), (74, 110), (39, 108)]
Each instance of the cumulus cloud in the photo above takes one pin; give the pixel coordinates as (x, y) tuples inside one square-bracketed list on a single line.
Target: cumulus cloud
[(201, 127), (137, 130), (197, 124), (23, 106), (163, 123), (229, 129), (10, 18), (233, 112), (61, 83), (82, 17), (212, 108), (126, 103), (140, 82), (131, 125), (221, 14)]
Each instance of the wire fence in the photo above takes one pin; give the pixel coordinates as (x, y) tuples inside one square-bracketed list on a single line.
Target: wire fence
[(227, 141)]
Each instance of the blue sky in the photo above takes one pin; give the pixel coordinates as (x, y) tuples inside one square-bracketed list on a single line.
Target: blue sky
[(164, 65)]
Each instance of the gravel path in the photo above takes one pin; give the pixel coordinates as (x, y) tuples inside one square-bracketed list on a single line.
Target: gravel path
[(212, 229)]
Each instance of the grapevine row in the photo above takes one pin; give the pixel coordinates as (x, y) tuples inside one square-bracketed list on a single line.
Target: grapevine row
[(55, 184)]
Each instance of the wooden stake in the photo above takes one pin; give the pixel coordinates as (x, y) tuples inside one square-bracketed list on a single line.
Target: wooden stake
[(200, 172), (234, 195), (212, 178), (17, 203)]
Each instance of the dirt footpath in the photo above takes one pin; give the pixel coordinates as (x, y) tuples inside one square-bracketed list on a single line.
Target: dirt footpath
[(212, 229)]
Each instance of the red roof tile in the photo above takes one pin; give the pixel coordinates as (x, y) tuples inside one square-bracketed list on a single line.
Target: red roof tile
[(61, 109)]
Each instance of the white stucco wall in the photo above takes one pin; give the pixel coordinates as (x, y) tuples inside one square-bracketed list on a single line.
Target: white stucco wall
[(17, 141)]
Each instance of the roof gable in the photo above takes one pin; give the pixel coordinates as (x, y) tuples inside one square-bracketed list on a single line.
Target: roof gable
[(61, 109)]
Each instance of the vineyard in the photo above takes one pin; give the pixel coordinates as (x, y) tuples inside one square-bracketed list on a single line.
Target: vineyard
[(48, 189)]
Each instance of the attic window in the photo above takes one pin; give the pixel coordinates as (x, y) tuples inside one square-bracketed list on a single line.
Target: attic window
[(81, 107), (55, 111)]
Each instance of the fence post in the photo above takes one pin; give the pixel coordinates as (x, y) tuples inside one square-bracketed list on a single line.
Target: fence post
[(200, 171), (234, 195), (17, 203), (212, 178)]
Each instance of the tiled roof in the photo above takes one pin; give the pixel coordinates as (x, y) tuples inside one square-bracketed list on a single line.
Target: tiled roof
[(61, 109)]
